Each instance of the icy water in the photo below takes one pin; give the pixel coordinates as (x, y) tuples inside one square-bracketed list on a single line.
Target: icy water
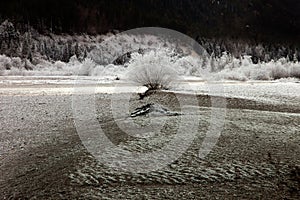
[(285, 91)]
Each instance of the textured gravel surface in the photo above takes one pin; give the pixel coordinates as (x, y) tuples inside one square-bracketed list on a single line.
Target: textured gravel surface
[(42, 157)]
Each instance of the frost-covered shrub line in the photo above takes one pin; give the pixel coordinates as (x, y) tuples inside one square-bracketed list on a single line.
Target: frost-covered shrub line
[(243, 69), (147, 67)]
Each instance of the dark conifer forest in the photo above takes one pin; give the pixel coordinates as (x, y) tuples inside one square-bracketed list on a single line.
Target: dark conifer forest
[(258, 20), (55, 29)]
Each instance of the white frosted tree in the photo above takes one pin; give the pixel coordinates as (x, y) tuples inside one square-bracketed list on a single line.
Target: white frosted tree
[(152, 69)]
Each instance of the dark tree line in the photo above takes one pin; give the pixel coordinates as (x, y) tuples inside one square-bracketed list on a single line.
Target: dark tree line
[(32, 45), (266, 20), (264, 29)]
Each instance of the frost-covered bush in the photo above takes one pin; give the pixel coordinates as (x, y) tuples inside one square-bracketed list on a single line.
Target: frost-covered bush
[(5, 62), (246, 70), (259, 74), (59, 65), (295, 70), (230, 75), (278, 72), (16, 62), (108, 70), (191, 65), (86, 67), (153, 69)]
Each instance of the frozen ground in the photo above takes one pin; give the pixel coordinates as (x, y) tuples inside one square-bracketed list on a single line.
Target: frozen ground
[(256, 157)]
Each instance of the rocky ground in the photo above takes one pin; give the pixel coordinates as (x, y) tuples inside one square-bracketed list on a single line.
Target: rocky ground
[(42, 156)]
